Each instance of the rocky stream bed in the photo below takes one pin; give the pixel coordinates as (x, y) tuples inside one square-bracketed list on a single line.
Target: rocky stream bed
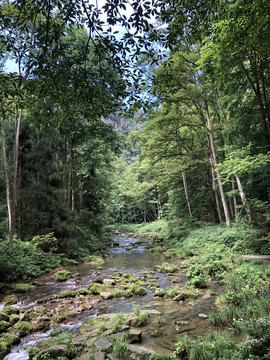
[(128, 307)]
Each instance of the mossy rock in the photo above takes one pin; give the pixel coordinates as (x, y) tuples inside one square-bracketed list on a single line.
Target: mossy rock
[(4, 325), (109, 282), (10, 299), (98, 280), (8, 310), (41, 310), (167, 268), (14, 318), (93, 259), (118, 293), (67, 294), (96, 289), (59, 318), (54, 352), (82, 291), (4, 317), (22, 288), (21, 328), (106, 295), (140, 291), (62, 275), (4, 349), (45, 299), (160, 293), (9, 339)]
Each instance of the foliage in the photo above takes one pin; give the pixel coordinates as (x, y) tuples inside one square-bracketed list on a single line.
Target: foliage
[(24, 262), (46, 242)]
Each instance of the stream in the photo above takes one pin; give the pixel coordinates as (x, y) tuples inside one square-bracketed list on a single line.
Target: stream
[(127, 255)]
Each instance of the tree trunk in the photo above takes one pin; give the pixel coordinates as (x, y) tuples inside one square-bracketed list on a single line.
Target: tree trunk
[(234, 200), (214, 159), (186, 192), (216, 193), (244, 199), (6, 174), (18, 119)]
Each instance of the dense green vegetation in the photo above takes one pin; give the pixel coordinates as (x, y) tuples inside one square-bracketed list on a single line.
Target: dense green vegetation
[(242, 315), (81, 148)]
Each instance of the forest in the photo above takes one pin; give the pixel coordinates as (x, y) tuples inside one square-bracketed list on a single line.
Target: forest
[(152, 118)]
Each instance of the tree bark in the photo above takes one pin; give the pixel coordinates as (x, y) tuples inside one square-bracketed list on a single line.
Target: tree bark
[(234, 200), (186, 192), (214, 159), (216, 193), (244, 199), (6, 174), (18, 119)]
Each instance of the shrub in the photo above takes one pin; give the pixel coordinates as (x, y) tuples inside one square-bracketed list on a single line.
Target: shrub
[(199, 281), (194, 270), (46, 242)]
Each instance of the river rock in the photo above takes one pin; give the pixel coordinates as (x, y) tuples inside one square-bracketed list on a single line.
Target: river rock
[(4, 317), (106, 295), (139, 353), (79, 340), (206, 296), (135, 335), (3, 326), (14, 318), (109, 282), (160, 293), (99, 355), (103, 344), (90, 342), (112, 357), (54, 351), (84, 356)]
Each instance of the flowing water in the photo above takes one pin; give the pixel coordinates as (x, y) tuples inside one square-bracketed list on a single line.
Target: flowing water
[(127, 254)]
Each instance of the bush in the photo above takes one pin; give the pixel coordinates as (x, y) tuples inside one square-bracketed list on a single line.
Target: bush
[(24, 261), (194, 270), (46, 242)]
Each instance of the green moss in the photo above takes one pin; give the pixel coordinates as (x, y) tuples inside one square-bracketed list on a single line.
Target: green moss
[(93, 259), (82, 291), (96, 289), (4, 325), (62, 275), (4, 350), (10, 299), (22, 288), (41, 309), (58, 318), (9, 339), (8, 310), (45, 299), (37, 283), (67, 294), (98, 280), (22, 328), (167, 268)]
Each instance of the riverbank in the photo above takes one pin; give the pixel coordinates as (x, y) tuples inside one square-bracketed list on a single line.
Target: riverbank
[(177, 288)]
